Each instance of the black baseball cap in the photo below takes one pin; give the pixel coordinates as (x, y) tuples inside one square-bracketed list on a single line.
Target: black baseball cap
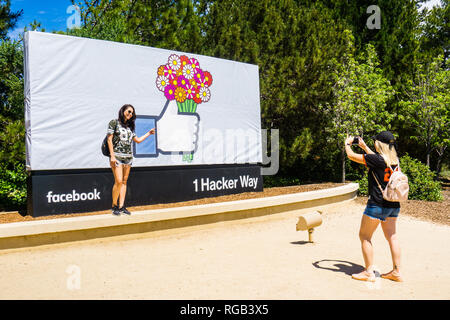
[(385, 137)]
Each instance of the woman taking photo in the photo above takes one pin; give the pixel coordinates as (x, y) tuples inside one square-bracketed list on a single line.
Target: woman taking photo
[(120, 137), (378, 209)]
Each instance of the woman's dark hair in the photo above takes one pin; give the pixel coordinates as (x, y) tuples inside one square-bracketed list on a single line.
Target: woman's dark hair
[(130, 123)]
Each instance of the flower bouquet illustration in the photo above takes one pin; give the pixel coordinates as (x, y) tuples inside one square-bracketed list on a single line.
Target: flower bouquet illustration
[(182, 80), (184, 86)]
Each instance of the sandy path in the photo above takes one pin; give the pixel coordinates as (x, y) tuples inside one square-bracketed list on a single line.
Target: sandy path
[(259, 258)]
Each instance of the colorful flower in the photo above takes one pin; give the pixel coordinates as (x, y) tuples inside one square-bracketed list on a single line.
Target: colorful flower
[(169, 73), (199, 76), (169, 92), (161, 83), (191, 91), (184, 61), (180, 94), (174, 62), (193, 82), (194, 64), (197, 98), (188, 72), (202, 84), (161, 70), (205, 94), (182, 81), (208, 78), (175, 82)]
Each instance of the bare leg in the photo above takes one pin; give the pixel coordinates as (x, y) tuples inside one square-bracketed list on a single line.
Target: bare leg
[(123, 186), (117, 171), (368, 227), (389, 230)]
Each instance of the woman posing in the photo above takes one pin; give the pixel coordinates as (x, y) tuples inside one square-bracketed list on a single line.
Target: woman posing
[(120, 137)]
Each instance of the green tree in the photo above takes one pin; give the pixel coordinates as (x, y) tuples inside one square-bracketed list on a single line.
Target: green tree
[(165, 24), (435, 37), (8, 19), (397, 39), (12, 130), (427, 108), (361, 93), (294, 45), (104, 20)]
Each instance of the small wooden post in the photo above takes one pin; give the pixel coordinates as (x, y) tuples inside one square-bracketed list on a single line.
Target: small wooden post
[(309, 221), (310, 234)]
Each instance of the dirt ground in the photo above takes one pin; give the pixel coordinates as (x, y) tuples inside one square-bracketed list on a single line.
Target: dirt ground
[(257, 258), (438, 212)]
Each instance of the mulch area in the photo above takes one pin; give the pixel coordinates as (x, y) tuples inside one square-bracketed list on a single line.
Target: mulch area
[(438, 212)]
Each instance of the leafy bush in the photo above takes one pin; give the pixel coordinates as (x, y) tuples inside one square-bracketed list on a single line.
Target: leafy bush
[(363, 186), (277, 181), (422, 185), (13, 187)]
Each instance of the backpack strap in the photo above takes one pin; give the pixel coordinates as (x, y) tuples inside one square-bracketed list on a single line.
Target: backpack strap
[(379, 186), (115, 130)]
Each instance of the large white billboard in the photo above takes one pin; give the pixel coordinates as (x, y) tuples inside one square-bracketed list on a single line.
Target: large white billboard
[(205, 110)]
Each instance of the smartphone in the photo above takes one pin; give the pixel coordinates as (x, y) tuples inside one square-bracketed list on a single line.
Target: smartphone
[(355, 140)]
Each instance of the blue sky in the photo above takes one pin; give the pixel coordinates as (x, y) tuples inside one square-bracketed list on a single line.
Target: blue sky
[(52, 14)]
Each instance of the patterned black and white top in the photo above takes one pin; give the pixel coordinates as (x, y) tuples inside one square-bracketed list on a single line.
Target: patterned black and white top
[(122, 139)]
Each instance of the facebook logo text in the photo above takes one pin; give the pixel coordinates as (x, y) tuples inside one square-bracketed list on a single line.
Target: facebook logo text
[(72, 197)]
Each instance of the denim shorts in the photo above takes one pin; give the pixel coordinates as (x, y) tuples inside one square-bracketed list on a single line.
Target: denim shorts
[(124, 161), (381, 213)]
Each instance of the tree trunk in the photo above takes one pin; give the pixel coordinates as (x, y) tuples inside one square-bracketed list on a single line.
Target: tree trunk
[(343, 164), (429, 150), (440, 152)]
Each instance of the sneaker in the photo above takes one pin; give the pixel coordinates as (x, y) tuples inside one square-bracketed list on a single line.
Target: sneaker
[(124, 210), (115, 211)]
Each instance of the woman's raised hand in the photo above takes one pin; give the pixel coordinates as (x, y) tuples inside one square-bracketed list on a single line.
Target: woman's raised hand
[(364, 146), (349, 140)]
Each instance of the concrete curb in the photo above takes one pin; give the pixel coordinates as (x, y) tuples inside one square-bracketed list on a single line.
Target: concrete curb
[(34, 233)]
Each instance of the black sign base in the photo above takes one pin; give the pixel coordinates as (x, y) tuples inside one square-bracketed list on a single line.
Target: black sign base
[(61, 192)]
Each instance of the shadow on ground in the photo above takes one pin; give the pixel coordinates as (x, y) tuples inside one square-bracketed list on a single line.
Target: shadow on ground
[(346, 267), (300, 242)]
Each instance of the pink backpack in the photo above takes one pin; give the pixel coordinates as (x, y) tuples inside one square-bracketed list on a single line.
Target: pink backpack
[(397, 188)]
